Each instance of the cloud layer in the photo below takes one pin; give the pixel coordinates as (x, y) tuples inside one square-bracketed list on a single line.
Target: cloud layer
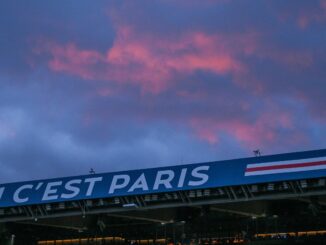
[(124, 85)]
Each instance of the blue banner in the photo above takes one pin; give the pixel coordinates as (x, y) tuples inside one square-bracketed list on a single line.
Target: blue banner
[(290, 166)]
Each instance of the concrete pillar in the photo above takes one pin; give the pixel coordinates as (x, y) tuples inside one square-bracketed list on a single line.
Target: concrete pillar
[(12, 239)]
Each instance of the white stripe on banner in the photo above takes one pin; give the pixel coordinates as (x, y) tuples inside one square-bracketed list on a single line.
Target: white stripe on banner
[(285, 170), (316, 159)]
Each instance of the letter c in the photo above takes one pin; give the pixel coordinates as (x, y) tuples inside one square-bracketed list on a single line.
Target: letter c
[(17, 198)]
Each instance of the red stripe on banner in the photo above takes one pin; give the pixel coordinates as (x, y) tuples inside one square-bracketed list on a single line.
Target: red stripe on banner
[(295, 165)]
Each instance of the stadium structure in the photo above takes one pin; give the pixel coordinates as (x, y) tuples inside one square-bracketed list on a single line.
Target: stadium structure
[(276, 199)]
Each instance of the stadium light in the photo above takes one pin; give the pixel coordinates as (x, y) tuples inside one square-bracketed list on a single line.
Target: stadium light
[(285, 185), (61, 205), (207, 192), (130, 205), (199, 193), (303, 183), (270, 187), (48, 207), (116, 200), (191, 194)]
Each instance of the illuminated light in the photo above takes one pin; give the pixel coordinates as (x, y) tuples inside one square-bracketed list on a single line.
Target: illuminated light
[(116, 200), (61, 205), (192, 194), (142, 241), (155, 197), (292, 234), (160, 241), (285, 185), (207, 192), (111, 238), (199, 193), (48, 207), (130, 205), (303, 183), (270, 187)]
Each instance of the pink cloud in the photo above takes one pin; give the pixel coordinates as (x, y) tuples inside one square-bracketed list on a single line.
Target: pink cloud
[(262, 131), (154, 62), (309, 16), (105, 92), (72, 60), (148, 61), (306, 14), (207, 134)]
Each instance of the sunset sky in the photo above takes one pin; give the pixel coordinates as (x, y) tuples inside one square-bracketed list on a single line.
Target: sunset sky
[(118, 85)]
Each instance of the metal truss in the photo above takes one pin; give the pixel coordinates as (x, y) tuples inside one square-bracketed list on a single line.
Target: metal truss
[(228, 194)]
